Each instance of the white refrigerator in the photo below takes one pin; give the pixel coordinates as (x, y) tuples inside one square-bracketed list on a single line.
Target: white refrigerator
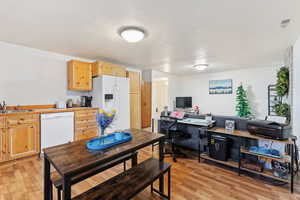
[(110, 92)]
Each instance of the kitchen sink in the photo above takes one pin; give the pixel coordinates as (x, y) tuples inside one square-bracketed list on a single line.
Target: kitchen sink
[(15, 111)]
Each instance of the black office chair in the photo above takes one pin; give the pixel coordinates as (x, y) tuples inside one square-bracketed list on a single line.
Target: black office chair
[(202, 139), (170, 128)]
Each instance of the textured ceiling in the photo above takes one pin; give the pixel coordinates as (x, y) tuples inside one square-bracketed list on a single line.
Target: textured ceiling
[(226, 34)]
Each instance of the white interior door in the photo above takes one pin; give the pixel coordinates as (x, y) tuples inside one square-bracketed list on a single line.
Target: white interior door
[(161, 96)]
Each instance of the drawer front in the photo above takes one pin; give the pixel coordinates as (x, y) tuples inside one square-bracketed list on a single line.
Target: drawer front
[(79, 114), (84, 124), (81, 134), (22, 119), (2, 122), (86, 118)]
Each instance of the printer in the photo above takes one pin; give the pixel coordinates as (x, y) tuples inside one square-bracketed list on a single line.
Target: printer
[(269, 129)]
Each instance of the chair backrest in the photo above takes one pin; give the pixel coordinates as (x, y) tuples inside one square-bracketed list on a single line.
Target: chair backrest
[(168, 124)]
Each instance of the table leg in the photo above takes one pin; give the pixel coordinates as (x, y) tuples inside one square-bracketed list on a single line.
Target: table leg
[(67, 188), (169, 184), (134, 160), (199, 152), (161, 158), (240, 156), (292, 168), (47, 181)]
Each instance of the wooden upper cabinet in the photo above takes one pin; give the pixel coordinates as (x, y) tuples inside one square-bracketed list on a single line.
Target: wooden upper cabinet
[(79, 76), (135, 111), (135, 99), (105, 68), (23, 137), (135, 82)]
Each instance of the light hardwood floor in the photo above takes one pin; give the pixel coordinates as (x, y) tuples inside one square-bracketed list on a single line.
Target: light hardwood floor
[(190, 181)]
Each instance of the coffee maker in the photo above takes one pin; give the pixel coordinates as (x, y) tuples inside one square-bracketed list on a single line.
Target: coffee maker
[(86, 101)]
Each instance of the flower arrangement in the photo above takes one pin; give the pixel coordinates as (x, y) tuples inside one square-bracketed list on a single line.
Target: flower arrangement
[(196, 109), (104, 119)]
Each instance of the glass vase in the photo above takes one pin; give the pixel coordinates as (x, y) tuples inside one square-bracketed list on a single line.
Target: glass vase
[(101, 132)]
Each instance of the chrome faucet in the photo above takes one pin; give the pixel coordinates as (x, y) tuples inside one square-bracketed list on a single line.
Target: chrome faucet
[(3, 107)]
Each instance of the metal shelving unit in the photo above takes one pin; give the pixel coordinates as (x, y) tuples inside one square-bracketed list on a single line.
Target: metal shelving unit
[(243, 136), (267, 172)]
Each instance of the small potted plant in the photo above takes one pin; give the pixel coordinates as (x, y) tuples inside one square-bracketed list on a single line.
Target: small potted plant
[(282, 89)]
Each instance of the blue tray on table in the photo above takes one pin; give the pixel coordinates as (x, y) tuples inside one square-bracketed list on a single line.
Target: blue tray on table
[(108, 141)]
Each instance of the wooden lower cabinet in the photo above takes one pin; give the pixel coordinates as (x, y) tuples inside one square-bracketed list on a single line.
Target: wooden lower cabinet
[(86, 133), (2, 144), (23, 140), (85, 124), (22, 136)]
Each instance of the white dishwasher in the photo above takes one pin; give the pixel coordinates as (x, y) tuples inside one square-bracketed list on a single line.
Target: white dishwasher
[(57, 128)]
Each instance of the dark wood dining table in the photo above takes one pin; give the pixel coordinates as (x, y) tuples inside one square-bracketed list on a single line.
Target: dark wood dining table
[(74, 158)]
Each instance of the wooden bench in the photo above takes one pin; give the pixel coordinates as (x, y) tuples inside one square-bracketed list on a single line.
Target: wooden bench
[(129, 183), (56, 179)]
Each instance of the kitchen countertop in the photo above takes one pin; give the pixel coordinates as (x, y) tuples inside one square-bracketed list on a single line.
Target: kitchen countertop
[(48, 110)]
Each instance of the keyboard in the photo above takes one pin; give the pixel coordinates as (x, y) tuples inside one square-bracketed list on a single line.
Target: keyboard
[(198, 122)]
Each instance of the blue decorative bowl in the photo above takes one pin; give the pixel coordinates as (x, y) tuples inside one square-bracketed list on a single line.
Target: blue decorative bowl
[(108, 141)]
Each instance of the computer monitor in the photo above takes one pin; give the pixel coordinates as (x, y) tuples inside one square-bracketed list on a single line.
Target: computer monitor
[(183, 102)]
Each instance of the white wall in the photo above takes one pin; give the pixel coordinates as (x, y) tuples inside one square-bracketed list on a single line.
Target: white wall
[(296, 90), (172, 85), (30, 76), (255, 80)]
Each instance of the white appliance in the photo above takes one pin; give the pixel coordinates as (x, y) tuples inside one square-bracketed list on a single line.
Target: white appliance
[(110, 92), (57, 128), (60, 105)]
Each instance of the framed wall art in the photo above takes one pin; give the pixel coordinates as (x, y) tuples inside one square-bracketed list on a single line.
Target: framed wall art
[(220, 86)]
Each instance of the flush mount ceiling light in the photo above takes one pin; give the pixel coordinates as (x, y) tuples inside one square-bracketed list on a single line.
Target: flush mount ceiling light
[(132, 34), (200, 67)]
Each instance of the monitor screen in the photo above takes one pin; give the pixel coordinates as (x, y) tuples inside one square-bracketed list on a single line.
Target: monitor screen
[(183, 102)]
